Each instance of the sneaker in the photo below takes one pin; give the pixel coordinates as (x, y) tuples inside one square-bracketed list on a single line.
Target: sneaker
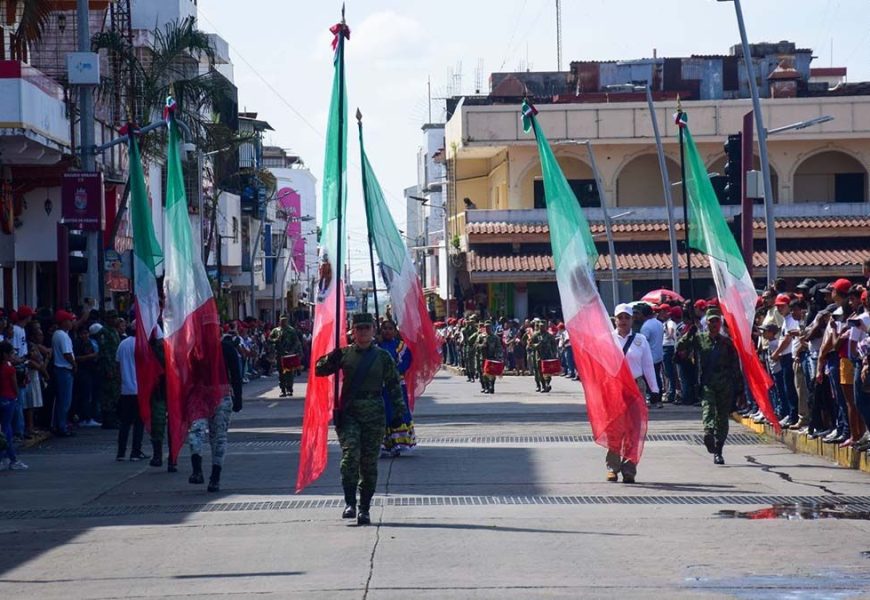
[(137, 456), (758, 419), (831, 436), (612, 477), (787, 422), (120, 458), (18, 466)]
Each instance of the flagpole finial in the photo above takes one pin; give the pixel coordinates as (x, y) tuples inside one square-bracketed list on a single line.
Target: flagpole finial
[(679, 104), (359, 115), (342, 13)]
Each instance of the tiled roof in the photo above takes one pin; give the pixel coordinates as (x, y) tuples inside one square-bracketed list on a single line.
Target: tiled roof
[(645, 261), (793, 223)]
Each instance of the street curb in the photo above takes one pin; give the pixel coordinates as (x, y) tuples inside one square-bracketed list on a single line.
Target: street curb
[(801, 444)]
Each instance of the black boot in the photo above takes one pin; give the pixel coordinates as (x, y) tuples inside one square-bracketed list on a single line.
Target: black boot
[(710, 442), (349, 512), (196, 476), (363, 517), (214, 482), (718, 459), (156, 454)]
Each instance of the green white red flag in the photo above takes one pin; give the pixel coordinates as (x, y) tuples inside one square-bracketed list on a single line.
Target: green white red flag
[(329, 312), (616, 408), (709, 233), (406, 293), (196, 377), (147, 255)]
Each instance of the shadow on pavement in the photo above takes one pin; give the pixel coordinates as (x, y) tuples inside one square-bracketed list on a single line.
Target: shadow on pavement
[(497, 528)]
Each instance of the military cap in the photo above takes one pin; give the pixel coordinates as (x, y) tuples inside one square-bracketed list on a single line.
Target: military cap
[(473, 317), (363, 319), (488, 322), (713, 313)]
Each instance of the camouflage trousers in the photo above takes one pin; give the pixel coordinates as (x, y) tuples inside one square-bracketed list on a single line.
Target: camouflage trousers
[(214, 430), (111, 394), (470, 363), (715, 408), (285, 379), (541, 380), (158, 415), (360, 441)]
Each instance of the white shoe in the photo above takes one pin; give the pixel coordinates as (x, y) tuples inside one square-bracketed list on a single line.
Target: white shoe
[(786, 422), (758, 418), (18, 466)]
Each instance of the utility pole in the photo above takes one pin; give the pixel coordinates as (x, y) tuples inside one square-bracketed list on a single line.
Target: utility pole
[(94, 275), (558, 35)]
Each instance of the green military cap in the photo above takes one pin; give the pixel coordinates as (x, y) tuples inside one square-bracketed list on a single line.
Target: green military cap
[(473, 317), (363, 319), (488, 323), (713, 313)]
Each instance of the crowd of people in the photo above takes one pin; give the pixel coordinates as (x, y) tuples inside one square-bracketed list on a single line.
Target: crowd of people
[(62, 371), (812, 338)]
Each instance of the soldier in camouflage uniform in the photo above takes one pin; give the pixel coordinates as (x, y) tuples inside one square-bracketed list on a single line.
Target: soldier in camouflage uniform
[(720, 380), (469, 337), (488, 348), (287, 341), (158, 407), (359, 417), (110, 373), (543, 346), (214, 429)]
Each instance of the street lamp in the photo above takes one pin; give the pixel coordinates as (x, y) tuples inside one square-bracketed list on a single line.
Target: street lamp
[(801, 124), (762, 144)]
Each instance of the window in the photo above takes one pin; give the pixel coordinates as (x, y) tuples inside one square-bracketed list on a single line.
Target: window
[(585, 190)]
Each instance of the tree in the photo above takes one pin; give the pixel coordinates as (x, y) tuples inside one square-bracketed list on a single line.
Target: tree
[(33, 17)]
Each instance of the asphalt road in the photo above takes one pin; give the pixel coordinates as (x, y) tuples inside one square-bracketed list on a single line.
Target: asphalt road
[(505, 497)]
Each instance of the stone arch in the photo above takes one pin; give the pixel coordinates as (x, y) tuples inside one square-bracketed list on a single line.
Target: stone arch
[(829, 175), (718, 166), (573, 166), (638, 181)]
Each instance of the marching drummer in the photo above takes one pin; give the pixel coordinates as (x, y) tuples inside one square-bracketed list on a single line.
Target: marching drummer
[(543, 346), (288, 349), (489, 350)]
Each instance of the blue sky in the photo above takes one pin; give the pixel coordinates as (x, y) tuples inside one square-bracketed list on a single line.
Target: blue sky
[(283, 66)]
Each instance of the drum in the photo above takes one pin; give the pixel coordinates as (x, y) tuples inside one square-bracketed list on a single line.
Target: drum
[(493, 368), (290, 362), (551, 366)]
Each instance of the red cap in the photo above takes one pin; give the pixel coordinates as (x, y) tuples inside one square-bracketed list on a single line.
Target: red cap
[(676, 313), (64, 315), (842, 286), (561, 326), (25, 311), (759, 302), (782, 300), (701, 304), (713, 302)]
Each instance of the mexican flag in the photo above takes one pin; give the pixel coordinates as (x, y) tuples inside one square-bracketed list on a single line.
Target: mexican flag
[(329, 314), (617, 410), (146, 256), (196, 377), (406, 293), (709, 233)]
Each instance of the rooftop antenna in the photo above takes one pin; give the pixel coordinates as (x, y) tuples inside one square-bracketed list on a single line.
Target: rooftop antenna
[(558, 35), (478, 76)]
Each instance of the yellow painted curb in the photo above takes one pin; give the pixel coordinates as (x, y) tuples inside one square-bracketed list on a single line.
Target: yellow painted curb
[(801, 444)]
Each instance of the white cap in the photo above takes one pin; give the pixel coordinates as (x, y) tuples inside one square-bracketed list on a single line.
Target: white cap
[(623, 309), (95, 328)]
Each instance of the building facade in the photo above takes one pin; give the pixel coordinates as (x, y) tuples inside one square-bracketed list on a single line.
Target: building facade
[(496, 203)]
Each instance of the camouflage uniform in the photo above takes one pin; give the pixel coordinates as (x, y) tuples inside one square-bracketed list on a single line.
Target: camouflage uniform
[(488, 348), (214, 429), (158, 402), (110, 374), (287, 341), (362, 422), (720, 378), (543, 346)]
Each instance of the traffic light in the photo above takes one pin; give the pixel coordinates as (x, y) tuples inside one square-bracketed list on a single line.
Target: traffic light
[(734, 169), (77, 245)]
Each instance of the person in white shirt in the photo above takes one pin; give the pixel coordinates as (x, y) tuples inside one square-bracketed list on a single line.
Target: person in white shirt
[(669, 342), (639, 357), (64, 368), (21, 424), (128, 403), (790, 329)]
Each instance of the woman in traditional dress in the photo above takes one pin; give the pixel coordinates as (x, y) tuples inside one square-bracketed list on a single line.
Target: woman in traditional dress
[(397, 439)]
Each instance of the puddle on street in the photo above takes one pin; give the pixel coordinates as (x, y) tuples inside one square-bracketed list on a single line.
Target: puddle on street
[(820, 586), (799, 512)]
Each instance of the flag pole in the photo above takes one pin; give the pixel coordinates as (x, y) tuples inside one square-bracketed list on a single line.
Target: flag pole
[(685, 201), (368, 220), (338, 211)]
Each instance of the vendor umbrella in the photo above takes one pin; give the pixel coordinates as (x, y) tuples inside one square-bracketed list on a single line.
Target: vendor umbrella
[(661, 296)]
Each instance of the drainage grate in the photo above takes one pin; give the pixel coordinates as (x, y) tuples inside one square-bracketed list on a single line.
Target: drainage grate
[(737, 439), (848, 503)]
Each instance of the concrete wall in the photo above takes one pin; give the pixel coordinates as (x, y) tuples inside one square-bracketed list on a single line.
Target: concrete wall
[(153, 14)]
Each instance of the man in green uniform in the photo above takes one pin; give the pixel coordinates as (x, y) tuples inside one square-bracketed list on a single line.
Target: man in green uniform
[(543, 346), (488, 348), (359, 418), (720, 378), (287, 341), (469, 339), (110, 373)]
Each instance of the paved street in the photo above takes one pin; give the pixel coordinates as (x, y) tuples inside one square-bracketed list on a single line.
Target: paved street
[(504, 498)]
